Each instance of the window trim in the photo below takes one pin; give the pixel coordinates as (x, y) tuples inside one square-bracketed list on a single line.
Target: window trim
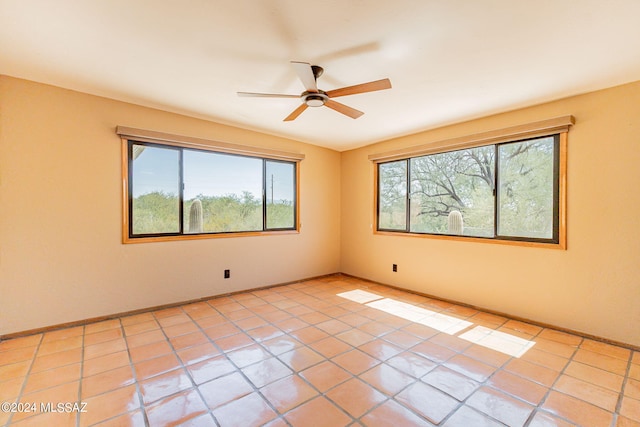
[(559, 126), (144, 135), (541, 128), (162, 139)]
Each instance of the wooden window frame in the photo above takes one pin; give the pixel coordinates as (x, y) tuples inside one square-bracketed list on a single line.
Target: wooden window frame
[(556, 126), (128, 134)]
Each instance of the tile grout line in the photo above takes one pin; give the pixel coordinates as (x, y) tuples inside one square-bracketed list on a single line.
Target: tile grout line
[(222, 314), (501, 368), (280, 416), (627, 375), (329, 360), (79, 415), (484, 383), (387, 398), (237, 367), (308, 346), (82, 358), (297, 373), (223, 354), (135, 376), (325, 359), (422, 340), (193, 381), (538, 407), (552, 388), (460, 403), (26, 378), (196, 387)]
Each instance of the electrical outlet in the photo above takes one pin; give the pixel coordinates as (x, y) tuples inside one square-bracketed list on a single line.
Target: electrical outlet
[(227, 274), (395, 268)]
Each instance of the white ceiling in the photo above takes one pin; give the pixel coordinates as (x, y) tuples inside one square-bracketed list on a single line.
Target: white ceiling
[(448, 60)]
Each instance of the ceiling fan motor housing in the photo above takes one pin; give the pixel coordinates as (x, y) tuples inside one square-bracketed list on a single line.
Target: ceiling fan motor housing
[(317, 71)]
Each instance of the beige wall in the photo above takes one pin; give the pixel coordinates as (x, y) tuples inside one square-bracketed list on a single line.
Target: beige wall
[(592, 287), (61, 256)]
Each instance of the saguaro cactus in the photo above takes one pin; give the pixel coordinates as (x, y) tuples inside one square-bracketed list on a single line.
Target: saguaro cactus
[(456, 224), (195, 217)]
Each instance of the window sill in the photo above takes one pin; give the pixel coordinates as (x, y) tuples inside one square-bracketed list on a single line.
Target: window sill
[(560, 246), (128, 240)]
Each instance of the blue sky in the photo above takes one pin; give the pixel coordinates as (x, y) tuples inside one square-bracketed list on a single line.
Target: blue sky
[(211, 174)]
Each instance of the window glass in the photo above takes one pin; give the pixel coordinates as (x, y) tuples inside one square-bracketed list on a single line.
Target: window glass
[(155, 190), (226, 189), (453, 184), (176, 191), (392, 200), (280, 194), (455, 192), (526, 189)]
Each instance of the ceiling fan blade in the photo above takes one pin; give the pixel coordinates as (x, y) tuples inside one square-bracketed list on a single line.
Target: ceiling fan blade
[(341, 108), (361, 88), (266, 95), (305, 73), (296, 113)]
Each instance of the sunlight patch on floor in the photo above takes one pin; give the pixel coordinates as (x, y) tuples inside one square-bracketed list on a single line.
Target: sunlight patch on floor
[(360, 296), (496, 340), (438, 321), (480, 335)]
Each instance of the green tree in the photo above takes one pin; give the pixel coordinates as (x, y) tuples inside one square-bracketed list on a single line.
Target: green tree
[(525, 193), (457, 180), (155, 212), (392, 183), (464, 181), (230, 212)]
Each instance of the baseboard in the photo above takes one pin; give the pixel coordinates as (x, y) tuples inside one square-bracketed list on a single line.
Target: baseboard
[(147, 309), (502, 314), (175, 304)]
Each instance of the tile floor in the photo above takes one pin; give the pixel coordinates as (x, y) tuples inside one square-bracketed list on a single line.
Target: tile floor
[(335, 351)]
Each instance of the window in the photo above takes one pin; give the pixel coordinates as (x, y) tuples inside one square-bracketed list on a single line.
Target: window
[(223, 191), (176, 191), (456, 181), (392, 199), (508, 191)]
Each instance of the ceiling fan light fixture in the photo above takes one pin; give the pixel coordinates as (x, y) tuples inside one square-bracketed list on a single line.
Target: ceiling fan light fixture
[(314, 100)]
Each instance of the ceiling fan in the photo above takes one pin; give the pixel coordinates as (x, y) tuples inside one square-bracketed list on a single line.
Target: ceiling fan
[(314, 97)]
